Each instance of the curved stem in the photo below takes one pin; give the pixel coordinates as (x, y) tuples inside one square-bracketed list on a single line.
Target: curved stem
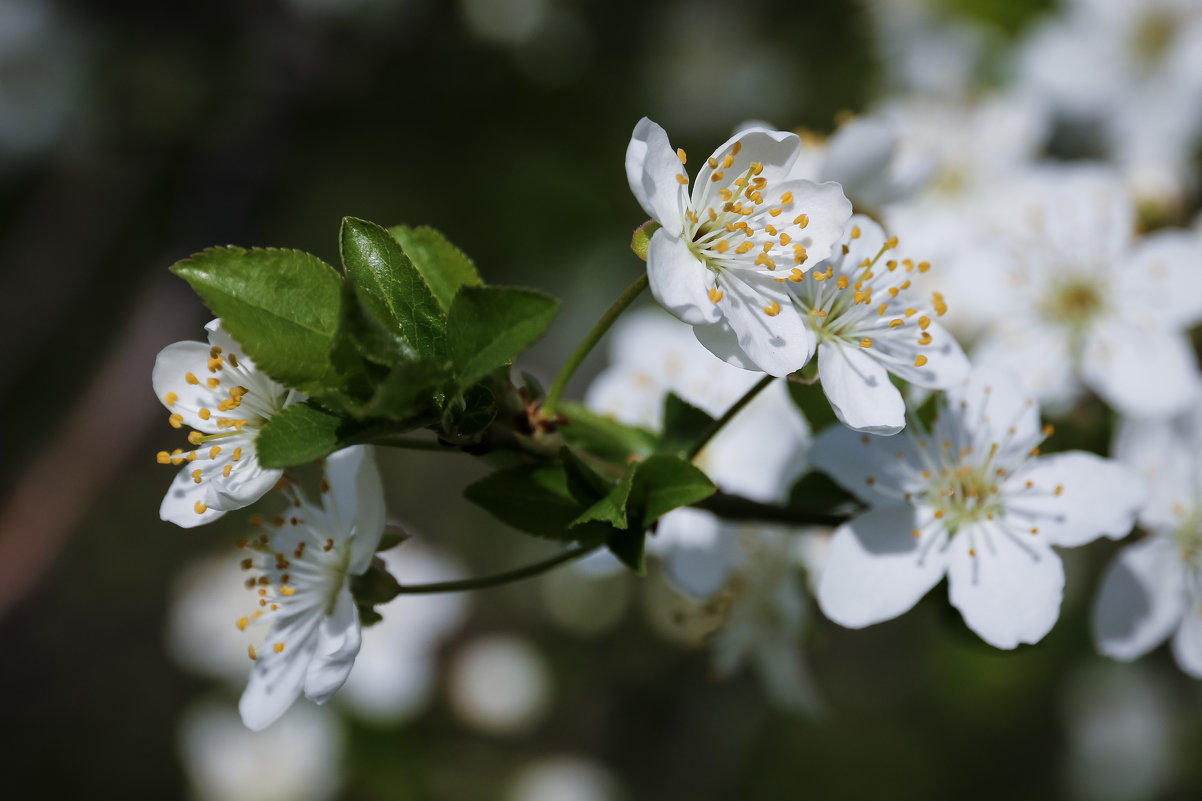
[(573, 363), (497, 579), (738, 508), (729, 414)]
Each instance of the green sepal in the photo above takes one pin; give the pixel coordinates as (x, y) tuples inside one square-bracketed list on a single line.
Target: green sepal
[(444, 266), (281, 306), (684, 425), (297, 434), (640, 241), (630, 547), (488, 326), (602, 436), (662, 483), (375, 587), (375, 261)]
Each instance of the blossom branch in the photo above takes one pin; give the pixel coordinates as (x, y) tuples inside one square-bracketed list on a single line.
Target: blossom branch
[(736, 507), (496, 579)]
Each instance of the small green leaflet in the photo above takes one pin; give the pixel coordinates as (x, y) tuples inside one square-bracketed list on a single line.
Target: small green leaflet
[(297, 434), (443, 265), (489, 325)]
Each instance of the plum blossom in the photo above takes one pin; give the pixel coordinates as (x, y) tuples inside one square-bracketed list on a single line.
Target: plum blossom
[(215, 390), (304, 568), (751, 218), (1153, 589), (867, 320), (970, 500), (1087, 304)]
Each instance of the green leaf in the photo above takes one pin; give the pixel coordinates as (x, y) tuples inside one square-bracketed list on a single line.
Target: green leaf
[(443, 265), (280, 305), (584, 483), (811, 400), (489, 326), (603, 436), (364, 328), (640, 242), (684, 425), (817, 492), (630, 548), (376, 586), (470, 413), (297, 434), (535, 499), (662, 483), (376, 262), (611, 508)]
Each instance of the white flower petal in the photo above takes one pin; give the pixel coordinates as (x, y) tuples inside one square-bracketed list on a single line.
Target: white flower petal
[(275, 682), (859, 389), (1164, 277), (876, 569), (169, 378), (651, 168), (1007, 593), (1076, 497), (679, 280), (859, 153), (1163, 452), (828, 211), (1038, 353), (722, 341), (248, 482), (776, 150), (698, 550), (356, 501), (762, 451), (777, 344), (1141, 373), (945, 364), (876, 469), (179, 504), (992, 405), (338, 639), (1187, 642), (1141, 599)]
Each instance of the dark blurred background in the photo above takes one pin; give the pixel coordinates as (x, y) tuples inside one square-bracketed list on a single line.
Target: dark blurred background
[(134, 133)]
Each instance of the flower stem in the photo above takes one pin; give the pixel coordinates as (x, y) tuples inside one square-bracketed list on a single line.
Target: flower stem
[(737, 508), (497, 579), (569, 368), (729, 414)]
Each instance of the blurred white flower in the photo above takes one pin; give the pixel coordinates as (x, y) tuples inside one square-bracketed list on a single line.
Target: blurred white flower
[(1121, 734), (499, 684), (215, 390), (1133, 68), (1153, 588), (304, 568), (301, 760), (201, 635), (41, 61), (396, 668), (564, 778), (968, 500), (721, 260), (869, 322), (1087, 303), (924, 50)]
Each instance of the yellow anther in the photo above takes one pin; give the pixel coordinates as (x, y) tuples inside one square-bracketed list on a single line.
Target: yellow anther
[(830, 272), (819, 275), (191, 379), (722, 246), (725, 194), (891, 243), (237, 454), (213, 382), (681, 179), (911, 312), (250, 649), (204, 414), (176, 420), (196, 476), (717, 176), (680, 154), (916, 533), (772, 309), (775, 212), (746, 246), (757, 167), (817, 312), (170, 398), (938, 303), (801, 220), (716, 294), (162, 457), (213, 451), (329, 546), (771, 229), (904, 285), (924, 322), (278, 648), (865, 343), (762, 260), (855, 232), (842, 282), (920, 360), (896, 323), (195, 437), (939, 514), (797, 276), (923, 266), (728, 162), (786, 198), (243, 622), (229, 357), (893, 292), (225, 471), (1059, 490), (880, 310), (713, 162), (734, 150), (287, 590), (870, 481), (891, 264), (200, 507), (925, 339)]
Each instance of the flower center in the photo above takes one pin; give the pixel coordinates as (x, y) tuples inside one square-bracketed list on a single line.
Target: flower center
[(1075, 304), (964, 494)]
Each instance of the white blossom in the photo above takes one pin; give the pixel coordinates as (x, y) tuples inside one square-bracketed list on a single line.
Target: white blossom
[(1153, 589), (1087, 304), (970, 500), (300, 574), (719, 259), (215, 390)]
